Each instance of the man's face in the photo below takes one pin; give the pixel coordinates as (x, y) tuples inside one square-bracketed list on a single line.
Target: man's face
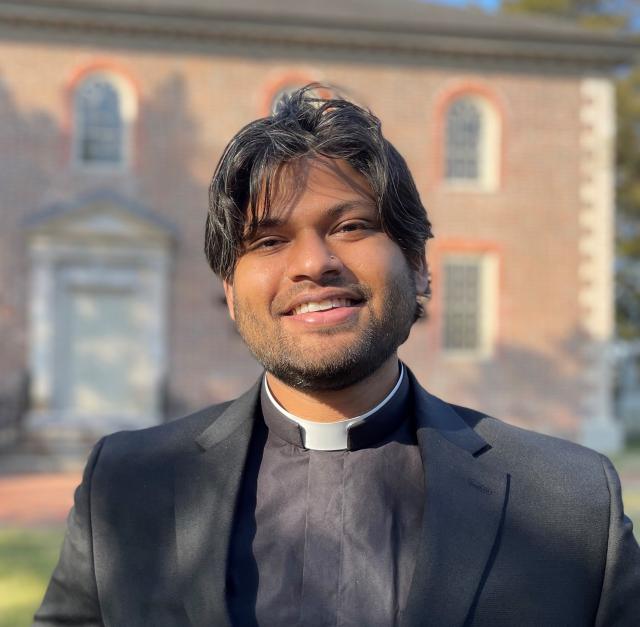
[(321, 295)]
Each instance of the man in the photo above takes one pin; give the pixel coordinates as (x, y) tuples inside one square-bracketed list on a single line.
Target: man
[(337, 491)]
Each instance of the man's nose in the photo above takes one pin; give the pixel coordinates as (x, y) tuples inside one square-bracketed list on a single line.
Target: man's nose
[(312, 258)]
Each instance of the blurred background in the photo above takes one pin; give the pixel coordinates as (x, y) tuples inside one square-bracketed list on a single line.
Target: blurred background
[(520, 120)]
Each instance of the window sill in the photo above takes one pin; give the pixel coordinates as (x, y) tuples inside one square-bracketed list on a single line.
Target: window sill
[(466, 187)]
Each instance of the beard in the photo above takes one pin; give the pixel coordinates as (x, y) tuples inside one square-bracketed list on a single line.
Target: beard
[(287, 359)]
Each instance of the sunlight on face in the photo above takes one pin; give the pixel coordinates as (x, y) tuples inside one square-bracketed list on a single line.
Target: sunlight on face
[(321, 295)]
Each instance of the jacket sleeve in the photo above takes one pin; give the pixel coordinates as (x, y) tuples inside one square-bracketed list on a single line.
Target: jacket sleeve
[(72, 596), (620, 596)]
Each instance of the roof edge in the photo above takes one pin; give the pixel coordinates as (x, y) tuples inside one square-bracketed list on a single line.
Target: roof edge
[(587, 49)]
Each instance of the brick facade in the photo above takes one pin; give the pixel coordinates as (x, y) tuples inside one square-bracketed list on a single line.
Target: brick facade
[(189, 104)]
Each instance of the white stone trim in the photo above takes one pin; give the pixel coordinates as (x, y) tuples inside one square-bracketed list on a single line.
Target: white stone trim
[(600, 430), (87, 250), (489, 306), (490, 147), (469, 42), (128, 111)]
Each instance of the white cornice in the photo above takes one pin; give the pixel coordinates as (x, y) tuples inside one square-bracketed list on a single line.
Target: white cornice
[(597, 52)]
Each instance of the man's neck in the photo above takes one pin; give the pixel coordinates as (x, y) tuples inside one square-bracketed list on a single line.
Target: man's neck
[(333, 405)]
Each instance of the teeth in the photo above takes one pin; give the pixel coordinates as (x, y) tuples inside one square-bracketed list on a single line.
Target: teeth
[(322, 305)]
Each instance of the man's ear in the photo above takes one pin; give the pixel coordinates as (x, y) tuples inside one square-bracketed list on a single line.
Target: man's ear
[(228, 293), (421, 276)]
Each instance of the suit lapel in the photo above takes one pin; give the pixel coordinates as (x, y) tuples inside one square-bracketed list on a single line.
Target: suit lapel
[(207, 482), (466, 499)]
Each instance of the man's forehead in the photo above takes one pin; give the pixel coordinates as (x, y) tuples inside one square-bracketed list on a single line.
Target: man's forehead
[(279, 216), (337, 182)]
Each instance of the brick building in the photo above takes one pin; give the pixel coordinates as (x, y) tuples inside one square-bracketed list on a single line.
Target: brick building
[(112, 117)]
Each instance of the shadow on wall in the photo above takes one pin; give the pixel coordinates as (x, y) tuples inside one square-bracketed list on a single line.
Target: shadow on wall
[(541, 390), (30, 143), (24, 178), (171, 144), (36, 172)]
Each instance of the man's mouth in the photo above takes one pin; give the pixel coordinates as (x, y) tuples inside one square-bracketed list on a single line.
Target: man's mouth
[(323, 305)]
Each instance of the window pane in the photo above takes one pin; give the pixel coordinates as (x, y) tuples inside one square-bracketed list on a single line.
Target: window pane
[(103, 348), (463, 140), (283, 91), (289, 89), (462, 304), (99, 122)]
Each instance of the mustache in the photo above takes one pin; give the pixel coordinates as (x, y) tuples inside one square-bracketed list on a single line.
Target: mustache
[(363, 291)]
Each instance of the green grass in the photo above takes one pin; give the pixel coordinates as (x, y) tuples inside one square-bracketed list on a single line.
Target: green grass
[(27, 558), (627, 464), (631, 500)]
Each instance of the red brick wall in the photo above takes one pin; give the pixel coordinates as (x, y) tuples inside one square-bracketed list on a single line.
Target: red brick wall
[(189, 107)]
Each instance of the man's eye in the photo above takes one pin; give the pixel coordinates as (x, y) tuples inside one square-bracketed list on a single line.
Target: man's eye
[(265, 243), (350, 227)]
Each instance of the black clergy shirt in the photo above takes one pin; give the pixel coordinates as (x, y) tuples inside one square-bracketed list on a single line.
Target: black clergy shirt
[(327, 537)]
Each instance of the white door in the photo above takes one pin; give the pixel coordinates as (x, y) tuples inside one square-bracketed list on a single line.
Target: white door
[(104, 358)]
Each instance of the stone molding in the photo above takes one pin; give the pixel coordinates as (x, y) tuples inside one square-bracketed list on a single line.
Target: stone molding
[(419, 39), (98, 245), (595, 270)]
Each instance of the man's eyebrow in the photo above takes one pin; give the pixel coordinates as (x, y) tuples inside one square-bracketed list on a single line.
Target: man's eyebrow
[(337, 210), (269, 223), (332, 213)]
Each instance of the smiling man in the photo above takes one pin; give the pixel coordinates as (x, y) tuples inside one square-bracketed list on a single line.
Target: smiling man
[(321, 294), (337, 491)]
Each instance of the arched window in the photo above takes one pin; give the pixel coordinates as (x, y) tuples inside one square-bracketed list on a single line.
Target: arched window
[(464, 139), (103, 115), (290, 88), (471, 142), (469, 303), (274, 92), (278, 95)]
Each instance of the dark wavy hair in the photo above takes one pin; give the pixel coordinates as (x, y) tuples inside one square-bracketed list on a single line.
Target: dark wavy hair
[(304, 124)]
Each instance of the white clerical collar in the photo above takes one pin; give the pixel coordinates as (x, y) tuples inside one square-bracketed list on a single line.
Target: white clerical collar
[(330, 436)]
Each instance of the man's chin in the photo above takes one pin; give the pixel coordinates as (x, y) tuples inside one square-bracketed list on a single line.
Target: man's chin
[(311, 380), (329, 373)]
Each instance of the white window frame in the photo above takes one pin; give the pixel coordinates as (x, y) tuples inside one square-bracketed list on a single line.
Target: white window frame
[(275, 97), (128, 113), (487, 316), (489, 149), (101, 245)]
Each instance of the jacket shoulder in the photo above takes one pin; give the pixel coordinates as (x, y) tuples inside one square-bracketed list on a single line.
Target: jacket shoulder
[(540, 459), (503, 436), (160, 442), (551, 479)]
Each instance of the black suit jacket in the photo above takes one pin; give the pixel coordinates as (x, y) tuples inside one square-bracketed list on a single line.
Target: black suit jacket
[(519, 530)]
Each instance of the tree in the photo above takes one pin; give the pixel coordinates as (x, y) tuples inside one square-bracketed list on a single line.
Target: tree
[(628, 204), (607, 14), (619, 15)]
